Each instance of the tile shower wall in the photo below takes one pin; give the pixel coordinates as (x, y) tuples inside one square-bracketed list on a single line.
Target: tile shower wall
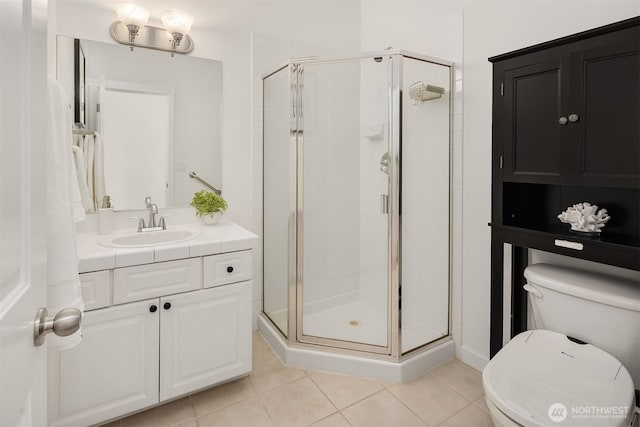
[(330, 103)]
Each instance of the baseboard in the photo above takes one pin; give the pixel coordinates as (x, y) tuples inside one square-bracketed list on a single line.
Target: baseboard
[(473, 359)]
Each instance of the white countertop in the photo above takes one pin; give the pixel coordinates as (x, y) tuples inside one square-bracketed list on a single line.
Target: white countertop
[(216, 238)]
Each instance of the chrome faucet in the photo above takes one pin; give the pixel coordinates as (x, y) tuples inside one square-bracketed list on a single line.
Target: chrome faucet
[(151, 225)]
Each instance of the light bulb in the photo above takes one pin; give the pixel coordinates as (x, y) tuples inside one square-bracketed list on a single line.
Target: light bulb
[(177, 21), (132, 14)]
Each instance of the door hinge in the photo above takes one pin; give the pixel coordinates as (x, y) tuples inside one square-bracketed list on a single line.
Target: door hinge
[(501, 162), (501, 89), (97, 108)]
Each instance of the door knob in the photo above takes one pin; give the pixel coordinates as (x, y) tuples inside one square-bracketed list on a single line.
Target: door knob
[(65, 323), (573, 118), (562, 120)]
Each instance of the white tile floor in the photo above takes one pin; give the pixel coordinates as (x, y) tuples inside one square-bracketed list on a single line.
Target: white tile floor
[(276, 395)]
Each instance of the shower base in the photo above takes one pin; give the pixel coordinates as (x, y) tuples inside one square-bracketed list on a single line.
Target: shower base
[(356, 318)]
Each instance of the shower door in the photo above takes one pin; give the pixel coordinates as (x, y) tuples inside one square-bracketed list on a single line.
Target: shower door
[(342, 112)]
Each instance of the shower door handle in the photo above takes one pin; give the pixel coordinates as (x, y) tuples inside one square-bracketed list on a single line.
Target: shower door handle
[(384, 204)]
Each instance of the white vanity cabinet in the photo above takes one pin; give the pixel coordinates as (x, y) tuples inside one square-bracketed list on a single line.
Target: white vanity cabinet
[(205, 338), (113, 371), (184, 335)]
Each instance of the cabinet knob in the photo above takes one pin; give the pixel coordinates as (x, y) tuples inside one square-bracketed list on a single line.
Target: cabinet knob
[(229, 269), (167, 305), (562, 120), (573, 118), (153, 308)]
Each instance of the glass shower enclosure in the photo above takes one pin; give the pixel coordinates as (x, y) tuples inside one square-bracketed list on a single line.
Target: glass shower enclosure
[(357, 207)]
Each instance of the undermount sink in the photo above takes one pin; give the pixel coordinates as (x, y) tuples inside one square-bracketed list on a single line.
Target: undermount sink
[(150, 238)]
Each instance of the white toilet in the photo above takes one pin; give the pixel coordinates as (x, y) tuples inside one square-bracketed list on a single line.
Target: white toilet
[(543, 378)]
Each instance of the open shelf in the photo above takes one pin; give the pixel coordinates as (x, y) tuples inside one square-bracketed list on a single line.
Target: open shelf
[(613, 249)]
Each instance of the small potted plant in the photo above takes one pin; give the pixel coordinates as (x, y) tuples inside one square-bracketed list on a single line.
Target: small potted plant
[(209, 206)]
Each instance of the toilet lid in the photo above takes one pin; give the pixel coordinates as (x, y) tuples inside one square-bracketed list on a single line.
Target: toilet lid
[(541, 378)]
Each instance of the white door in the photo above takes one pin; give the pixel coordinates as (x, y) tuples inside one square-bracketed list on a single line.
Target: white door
[(205, 338), (23, 97)]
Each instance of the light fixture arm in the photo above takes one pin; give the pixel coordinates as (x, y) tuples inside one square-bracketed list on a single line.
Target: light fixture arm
[(133, 32), (151, 38)]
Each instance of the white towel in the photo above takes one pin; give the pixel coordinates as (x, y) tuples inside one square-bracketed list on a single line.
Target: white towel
[(63, 283), (86, 204), (98, 170)]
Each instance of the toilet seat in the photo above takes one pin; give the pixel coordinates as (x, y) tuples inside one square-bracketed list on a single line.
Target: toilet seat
[(538, 369)]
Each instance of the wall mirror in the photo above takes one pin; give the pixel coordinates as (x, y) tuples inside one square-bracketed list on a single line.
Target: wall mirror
[(158, 118)]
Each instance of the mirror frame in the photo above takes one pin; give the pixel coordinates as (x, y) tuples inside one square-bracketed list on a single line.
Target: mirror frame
[(79, 83)]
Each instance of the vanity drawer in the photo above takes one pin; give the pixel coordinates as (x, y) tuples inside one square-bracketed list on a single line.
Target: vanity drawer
[(96, 289), (227, 268), (154, 280)]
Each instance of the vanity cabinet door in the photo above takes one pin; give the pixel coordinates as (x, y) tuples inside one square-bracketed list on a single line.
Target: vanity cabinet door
[(205, 338), (113, 371)]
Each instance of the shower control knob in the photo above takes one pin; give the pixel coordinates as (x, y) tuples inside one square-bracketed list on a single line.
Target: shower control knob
[(153, 308), (229, 269), (167, 305)]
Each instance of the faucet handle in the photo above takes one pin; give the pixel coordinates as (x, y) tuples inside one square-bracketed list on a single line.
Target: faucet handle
[(147, 201), (162, 223), (141, 224)]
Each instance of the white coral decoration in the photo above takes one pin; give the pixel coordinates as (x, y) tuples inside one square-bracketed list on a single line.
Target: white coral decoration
[(583, 217)]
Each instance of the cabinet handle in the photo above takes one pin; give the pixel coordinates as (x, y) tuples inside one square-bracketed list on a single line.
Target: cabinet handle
[(562, 120), (153, 308), (573, 118), (167, 305), (229, 269)]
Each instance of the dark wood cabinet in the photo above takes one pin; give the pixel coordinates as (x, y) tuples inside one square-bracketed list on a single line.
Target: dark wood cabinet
[(605, 93), (566, 129), (532, 98), (570, 113)]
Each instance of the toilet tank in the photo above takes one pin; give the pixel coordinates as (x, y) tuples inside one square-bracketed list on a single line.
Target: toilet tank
[(596, 308)]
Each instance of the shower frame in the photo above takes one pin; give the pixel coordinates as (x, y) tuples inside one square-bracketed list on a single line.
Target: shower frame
[(294, 333)]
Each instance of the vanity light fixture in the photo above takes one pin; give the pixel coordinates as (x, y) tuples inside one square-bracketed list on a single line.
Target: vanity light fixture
[(133, 19)]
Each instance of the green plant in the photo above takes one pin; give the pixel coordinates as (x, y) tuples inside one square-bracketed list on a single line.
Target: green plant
[(208, 203)]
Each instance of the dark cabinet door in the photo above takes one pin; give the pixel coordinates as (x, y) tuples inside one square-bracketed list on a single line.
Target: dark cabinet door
[(605, 96), (534, 146)]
